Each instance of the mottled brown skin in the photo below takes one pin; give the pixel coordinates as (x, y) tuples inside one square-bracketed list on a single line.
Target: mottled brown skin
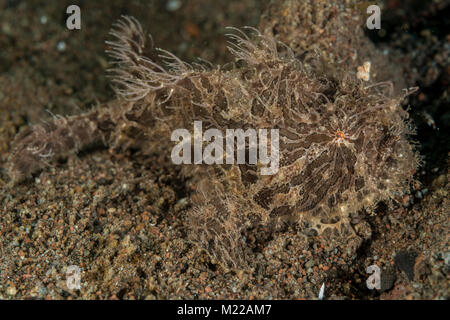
[(343, 142)]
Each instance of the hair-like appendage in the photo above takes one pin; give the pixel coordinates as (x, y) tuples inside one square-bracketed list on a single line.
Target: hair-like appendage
[(216, 226), (135, 75), (39, 145), (257, 49)]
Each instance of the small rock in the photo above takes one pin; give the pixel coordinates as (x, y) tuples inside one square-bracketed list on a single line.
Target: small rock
[(439, 181), (61, 46), (421, 268), (173, 5), (11, 291), (6, 28), (310, 264), (446, 257)]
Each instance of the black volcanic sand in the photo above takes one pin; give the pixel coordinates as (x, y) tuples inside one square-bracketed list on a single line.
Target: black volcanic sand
[(119, 217)]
